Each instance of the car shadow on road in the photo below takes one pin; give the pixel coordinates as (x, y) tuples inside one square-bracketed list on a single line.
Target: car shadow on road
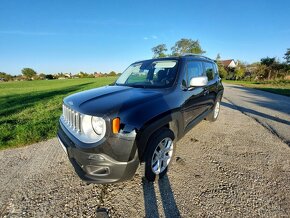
[(254, 112), (280, 103), (167, 198)]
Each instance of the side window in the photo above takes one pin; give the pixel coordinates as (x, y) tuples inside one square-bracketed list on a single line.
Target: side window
[(209, 70), (216, 69), (194, 69)]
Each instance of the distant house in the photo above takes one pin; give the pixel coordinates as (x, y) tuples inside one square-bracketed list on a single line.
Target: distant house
[(98, 75), (229, 63), (67, 75)]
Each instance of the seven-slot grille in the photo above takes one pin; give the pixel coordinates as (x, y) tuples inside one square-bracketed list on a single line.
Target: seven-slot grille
[(72, 118)]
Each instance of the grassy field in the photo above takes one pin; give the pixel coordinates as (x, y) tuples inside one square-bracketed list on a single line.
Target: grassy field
[(277, 87), (30, 109)]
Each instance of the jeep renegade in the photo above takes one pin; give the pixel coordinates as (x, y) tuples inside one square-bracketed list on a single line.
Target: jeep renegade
[(108, 131)]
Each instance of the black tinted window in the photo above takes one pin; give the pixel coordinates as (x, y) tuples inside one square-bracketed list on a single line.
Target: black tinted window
[(194, 69), (215, 69), (209, 70)]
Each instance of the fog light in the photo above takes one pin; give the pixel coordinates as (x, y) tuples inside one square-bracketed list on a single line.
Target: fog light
[(98, 170)]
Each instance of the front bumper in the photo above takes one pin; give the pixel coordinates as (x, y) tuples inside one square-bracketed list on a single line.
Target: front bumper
[(93, 165)]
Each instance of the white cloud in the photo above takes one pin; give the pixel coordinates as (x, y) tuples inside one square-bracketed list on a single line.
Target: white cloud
[(150, 37)]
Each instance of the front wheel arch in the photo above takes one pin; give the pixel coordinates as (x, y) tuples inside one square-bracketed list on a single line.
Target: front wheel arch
[(153, 143), (172, 121)]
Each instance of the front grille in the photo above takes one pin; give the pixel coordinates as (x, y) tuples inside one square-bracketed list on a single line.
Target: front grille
[(72, 118)]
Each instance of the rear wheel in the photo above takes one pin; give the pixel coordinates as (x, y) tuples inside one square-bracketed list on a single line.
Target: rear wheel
[(159, 155), (213, 115)]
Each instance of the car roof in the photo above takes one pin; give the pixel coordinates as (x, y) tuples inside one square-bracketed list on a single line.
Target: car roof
[(195, 57), (182, 57)]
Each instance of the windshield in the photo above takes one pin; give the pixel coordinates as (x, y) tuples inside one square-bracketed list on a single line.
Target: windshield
[(150, 73)]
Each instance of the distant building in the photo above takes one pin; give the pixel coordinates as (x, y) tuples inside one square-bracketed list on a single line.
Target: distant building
[(98, 75), (67, 75), (229, 63)]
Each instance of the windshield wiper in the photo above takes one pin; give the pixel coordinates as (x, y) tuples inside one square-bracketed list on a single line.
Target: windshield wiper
[(136, 85)]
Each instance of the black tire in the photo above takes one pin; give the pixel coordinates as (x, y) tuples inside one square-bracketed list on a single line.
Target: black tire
[(211, 116), (154, 141)]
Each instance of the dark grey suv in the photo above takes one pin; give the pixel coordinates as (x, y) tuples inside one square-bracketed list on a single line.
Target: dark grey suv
[(107, 132)]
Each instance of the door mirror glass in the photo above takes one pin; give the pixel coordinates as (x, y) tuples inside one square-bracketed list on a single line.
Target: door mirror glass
[(198, 81)]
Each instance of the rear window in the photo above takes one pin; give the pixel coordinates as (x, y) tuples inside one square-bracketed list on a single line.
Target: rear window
[(209, 70)]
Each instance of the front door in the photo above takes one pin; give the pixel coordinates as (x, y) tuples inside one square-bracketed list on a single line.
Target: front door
[(196, 97)]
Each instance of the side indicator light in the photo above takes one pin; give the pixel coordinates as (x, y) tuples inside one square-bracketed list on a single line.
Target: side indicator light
[(116, 125)]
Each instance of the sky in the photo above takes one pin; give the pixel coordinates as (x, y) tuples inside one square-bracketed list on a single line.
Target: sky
[(53, 36)]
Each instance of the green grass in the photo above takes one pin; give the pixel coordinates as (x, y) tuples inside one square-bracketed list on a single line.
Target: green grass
[(281, 87), (30, 110)]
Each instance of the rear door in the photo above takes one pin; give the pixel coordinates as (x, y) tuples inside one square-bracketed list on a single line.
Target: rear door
[(211, 89)]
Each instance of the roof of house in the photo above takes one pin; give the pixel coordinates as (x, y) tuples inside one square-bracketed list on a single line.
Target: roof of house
[(227, 62)]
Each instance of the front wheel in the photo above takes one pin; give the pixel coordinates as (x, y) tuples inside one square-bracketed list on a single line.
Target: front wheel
[(159, 155)]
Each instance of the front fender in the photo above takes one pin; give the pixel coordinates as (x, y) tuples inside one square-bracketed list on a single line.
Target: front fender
[(173, 121)]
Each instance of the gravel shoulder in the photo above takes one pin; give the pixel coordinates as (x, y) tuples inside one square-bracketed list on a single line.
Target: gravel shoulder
[(233, 167)]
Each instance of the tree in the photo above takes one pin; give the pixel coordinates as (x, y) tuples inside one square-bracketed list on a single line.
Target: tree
[(5, 76), (269, 63), (222, 71), (218, 57), (159, 51), (49, 76), (112, 73), (84, 75), (260, 71), (28, 73), (239, 73), (41, 76), (287, 56), (186, 46)]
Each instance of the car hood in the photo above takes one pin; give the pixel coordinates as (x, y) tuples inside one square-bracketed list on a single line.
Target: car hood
[(110, 99)]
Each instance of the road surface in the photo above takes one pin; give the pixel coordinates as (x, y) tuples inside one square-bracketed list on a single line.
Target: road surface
[(271, 110), (233, 167)]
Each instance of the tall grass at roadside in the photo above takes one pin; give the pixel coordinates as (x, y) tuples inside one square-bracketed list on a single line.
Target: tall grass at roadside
[(29, 110)]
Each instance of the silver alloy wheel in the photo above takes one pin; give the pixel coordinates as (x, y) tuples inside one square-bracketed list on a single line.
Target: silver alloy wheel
[(162, 155), (216, 109)]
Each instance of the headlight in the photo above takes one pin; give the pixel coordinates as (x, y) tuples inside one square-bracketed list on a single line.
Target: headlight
[(99, 125), (94, 128)]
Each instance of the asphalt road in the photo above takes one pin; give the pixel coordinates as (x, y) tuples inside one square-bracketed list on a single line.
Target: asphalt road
[(233, 167), (270, 110)]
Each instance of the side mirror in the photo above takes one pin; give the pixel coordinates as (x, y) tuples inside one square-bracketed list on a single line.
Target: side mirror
[(198, 81)]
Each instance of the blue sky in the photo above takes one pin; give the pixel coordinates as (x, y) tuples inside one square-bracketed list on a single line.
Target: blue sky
[(102, 35)]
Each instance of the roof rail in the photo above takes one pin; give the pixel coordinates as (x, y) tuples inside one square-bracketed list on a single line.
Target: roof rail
[(196, 55)]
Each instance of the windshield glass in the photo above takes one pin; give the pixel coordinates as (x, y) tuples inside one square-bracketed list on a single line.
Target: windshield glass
[(151, 73)]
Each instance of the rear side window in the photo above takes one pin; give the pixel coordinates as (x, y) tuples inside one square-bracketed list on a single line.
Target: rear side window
[(216, 69), (209, 70), (194, 69)]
